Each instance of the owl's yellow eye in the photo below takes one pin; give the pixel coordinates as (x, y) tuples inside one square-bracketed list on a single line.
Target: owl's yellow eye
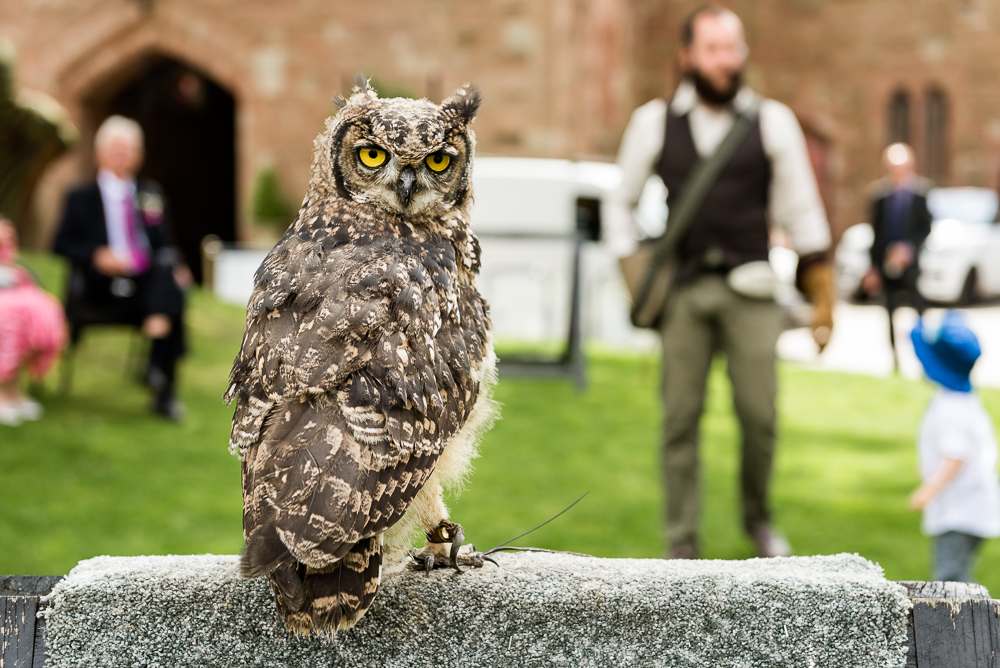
[(438, 162), (372, 157)]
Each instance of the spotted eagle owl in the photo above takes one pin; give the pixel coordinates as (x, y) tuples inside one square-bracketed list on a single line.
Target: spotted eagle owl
[(365, 373)]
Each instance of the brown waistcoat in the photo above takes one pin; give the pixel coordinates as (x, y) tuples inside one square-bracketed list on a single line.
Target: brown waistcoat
[(732, 221)]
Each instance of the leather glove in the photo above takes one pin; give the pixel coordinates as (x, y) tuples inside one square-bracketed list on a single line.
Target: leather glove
[(817, 283)]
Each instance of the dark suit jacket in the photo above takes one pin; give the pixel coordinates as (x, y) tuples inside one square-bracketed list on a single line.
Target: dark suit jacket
[(915, 229), (83, 228)]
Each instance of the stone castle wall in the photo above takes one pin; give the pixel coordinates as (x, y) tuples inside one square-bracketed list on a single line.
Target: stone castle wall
[(282, 62), (838, 64), (559, 76)]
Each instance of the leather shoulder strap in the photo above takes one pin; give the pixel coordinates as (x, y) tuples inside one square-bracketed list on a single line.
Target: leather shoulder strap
[(701, 179), (695, 189)]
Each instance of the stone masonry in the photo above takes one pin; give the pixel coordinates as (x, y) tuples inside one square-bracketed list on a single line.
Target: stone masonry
[(560, 77)]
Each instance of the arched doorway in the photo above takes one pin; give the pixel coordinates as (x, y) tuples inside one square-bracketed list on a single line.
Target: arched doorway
[(189, 122)]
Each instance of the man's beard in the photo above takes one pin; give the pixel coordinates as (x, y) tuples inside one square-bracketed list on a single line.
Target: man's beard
[(712, 95)]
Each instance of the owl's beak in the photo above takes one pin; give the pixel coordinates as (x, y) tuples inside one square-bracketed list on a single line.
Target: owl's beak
[(405, 185)]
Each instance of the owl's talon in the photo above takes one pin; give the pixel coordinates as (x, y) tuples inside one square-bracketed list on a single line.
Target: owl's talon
[(456, 545), (446, 548)]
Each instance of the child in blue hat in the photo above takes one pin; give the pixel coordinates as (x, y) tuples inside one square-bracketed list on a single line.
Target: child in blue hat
[(957, 449)]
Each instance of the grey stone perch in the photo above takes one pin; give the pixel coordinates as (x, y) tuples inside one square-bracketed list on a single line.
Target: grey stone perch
[(181, 611), (537, 610)]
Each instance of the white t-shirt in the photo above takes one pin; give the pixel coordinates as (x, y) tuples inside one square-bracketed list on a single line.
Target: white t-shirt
[(956, 425)]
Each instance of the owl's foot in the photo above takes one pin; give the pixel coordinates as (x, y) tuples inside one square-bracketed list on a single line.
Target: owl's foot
[(445, 548)]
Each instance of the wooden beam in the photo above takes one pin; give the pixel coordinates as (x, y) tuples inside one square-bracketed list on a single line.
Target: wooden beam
[(953, 624), (22, 634)]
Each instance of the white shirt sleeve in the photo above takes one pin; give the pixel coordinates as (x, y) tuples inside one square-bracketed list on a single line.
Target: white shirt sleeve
[(794, 202), (638, 153)]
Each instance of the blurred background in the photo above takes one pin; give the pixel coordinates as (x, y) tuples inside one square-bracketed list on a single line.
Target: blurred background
[(245, 86), (231, 95)]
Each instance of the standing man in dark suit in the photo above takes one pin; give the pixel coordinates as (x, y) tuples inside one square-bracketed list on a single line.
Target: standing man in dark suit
[(116, 231), (901, 222)]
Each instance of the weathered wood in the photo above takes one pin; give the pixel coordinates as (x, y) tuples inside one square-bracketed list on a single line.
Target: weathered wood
[(945, 590), (40, 657), (17, 647), (22, 637), (911, 644), (27, 585), (954, 625)]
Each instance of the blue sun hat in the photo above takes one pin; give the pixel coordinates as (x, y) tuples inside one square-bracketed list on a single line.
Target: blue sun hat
[(948, 352)]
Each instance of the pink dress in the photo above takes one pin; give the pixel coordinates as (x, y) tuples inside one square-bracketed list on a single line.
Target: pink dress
[(32, 325)]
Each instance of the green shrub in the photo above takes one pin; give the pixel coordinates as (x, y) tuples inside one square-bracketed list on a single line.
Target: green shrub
[(270, 204)]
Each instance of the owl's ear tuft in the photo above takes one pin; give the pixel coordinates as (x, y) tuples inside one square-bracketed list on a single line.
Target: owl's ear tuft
[(464, 102), (362, 84), (339, 100)]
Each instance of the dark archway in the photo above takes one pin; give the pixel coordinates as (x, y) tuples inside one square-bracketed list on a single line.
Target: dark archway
[(190, 126)]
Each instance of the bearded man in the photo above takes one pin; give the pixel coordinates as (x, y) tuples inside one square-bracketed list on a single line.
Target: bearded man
[(767, 181)]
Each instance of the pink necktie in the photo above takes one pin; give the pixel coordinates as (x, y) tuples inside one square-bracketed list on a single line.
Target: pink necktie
[(139, 255)]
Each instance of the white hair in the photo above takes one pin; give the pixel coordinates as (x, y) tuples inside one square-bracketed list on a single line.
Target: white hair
[(117, 126), (898, 154)]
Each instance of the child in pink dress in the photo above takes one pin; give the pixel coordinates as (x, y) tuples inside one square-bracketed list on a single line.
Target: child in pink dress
[(32, 332)]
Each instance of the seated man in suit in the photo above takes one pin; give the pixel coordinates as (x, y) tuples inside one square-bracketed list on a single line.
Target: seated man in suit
[(901, 222), (116, 231)]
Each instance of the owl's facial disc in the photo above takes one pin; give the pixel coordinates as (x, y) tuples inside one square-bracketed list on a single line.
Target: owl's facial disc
[(401, 156)]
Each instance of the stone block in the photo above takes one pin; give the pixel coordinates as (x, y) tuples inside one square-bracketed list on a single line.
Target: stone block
[(535, 610)]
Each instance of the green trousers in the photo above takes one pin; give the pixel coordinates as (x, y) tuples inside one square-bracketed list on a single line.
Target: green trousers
[(704, 316)]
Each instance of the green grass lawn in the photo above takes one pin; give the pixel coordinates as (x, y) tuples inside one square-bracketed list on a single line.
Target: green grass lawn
[(102, 475)]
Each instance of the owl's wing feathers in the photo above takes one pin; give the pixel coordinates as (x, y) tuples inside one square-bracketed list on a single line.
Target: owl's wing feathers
[(356, 369), (313, 490)]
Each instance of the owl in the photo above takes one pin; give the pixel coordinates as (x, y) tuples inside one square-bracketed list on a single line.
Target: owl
[(364, 378)]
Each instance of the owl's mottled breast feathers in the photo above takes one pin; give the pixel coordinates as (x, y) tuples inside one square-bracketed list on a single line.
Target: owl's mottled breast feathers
[(373, 309)]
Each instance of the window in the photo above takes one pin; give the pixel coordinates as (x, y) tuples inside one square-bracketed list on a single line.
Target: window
[(899, 118), (935, 128)]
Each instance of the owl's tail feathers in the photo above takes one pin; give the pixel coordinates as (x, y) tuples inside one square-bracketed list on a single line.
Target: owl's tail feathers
[(333, 598), (265, 552)]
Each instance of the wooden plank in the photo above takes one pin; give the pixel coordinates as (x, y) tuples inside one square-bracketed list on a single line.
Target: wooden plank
[(22, 637), (982, 614), (17, 638), (953, 625), (992, 617), (945, 590), (911, 643), (938, 633), (27, 585), (40, 655)]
